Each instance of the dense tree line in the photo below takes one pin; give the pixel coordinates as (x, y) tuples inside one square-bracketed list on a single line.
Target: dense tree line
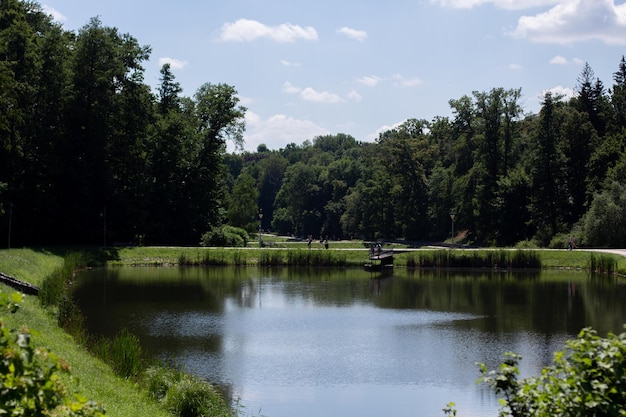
[(505, 176), (89, 154)]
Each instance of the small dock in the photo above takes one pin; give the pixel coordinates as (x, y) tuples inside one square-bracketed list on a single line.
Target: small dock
[(380, 259)]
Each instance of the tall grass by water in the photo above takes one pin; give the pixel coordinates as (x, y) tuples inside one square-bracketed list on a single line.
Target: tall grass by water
[(496, 259), (184, 395), (269, 257), (602, 263)]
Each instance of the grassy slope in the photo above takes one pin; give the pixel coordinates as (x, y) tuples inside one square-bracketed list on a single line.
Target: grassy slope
[(95, 380)]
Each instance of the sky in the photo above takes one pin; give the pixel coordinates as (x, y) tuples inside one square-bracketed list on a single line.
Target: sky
[(310, 68)]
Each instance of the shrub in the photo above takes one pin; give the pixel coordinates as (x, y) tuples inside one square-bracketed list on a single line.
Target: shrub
[(559, 241), (159, 380), (184, 395), (30, 381), (586, 379), (225, 236), (192, 397), (604, 225), (526, 244)]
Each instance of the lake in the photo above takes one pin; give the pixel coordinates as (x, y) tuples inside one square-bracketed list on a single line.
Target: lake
[(343, 342)]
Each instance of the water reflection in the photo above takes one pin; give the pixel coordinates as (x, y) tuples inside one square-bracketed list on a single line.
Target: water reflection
[(342, 342)]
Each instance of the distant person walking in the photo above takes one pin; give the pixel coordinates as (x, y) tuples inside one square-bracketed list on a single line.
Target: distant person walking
[(571, 243)]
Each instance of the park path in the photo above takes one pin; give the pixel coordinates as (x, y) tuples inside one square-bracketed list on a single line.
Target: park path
[(621, 252)]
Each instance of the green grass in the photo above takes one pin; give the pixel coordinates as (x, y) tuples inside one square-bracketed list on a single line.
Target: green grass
[(91, 377), (28, 264), (351, 253)]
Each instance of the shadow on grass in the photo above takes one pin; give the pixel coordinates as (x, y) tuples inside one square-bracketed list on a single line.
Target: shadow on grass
[(90, 256)]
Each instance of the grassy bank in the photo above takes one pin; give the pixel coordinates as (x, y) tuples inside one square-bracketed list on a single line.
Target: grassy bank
[(343, 254), (91, 377)]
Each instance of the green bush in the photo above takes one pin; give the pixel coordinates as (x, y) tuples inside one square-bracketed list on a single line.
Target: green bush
[(604, 225), (225, 236), (159, 380), (184, 395), (30, 383), (526, 244), (559, 241), (588, 378)]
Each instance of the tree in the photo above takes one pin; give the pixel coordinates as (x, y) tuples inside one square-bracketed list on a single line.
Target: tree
[(242, 210), (409, 158), (271, 170), (547, 171), (300, 198), (618, 97), (219, 118), (591, 99), (169, 91), (604, 225), (110, 110)]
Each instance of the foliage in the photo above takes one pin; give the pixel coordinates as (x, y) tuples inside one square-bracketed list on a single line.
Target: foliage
[(242, 211), (604, 225), (30, 381), (520, 258), (92, 155), (225, 236), (586, 379), (184, 395), (126, 354)]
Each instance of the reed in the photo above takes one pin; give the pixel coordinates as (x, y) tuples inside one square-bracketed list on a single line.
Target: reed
[(602, 264), (71, 319), (271, 258), (184, 395), (53, 287), (126, 354), (239, 259), (215, 258), (499, 259)]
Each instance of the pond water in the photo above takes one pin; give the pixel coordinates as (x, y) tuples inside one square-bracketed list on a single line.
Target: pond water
[(342, 342)]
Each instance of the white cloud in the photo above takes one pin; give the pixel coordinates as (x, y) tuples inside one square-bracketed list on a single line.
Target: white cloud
[(501, 4), (310, 94), (354, 96), (359, 35), (56, 15), (278, 130), (515, 67), (383, 129), (245, 30), (286, 63), (559, 90), (572, 21), (559, 60), (175, 64), (401, 81), (289, 88), (369, 80)]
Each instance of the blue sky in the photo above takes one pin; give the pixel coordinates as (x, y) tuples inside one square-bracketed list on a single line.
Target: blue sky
[(309, 68)]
